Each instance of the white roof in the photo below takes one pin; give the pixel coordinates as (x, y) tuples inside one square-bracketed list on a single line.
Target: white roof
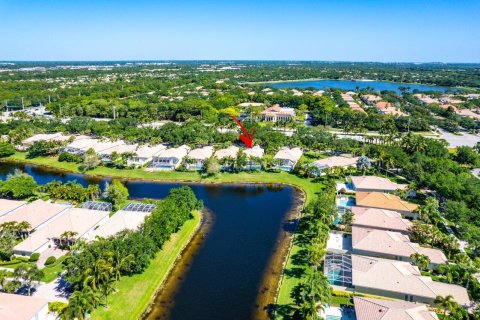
[(121, 148), (376, 183), (293, 154), (101, 146), (20, 307), (178, 153), (83, 143), (149, 151), (201, 153), (9, 205), (78, 220), (121, 220), (35, 213), (230, 152), (255, 151), (58, 136), (401, 277), (335, 162)]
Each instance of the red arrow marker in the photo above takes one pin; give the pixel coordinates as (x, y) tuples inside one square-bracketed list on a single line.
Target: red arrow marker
[(245, 137)]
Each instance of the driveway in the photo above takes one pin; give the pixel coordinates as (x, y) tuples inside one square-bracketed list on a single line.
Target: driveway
[(53, 291)]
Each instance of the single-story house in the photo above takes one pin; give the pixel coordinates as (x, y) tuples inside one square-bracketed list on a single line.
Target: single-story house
[(195, 160), (7, 206), (400, 280), (375, 184), (370, 99), (276, 113), (102, 146), (254, 155), (145, 154), (106, 155), (382, 309), (79, 146), (333, 162), (287, 158), (391, 245), (381, 219), (79, 220), (169, 159), (129, 218), (227, 156), (387, 201), (20, 307), (57, 136), (36, 213)]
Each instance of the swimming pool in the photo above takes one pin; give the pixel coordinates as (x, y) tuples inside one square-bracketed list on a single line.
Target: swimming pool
[(346, 202)]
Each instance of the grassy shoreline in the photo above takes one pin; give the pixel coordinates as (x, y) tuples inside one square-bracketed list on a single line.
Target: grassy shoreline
[(309, 187), (135, 294)]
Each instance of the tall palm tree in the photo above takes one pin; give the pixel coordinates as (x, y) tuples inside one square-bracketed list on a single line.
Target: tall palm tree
[(80, 304), (3, 277), (420, 260)]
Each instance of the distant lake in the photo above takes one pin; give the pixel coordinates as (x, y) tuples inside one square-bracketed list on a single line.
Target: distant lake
[(352, 85)]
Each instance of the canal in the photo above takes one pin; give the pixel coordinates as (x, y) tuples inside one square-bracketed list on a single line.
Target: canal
[(232, 267)]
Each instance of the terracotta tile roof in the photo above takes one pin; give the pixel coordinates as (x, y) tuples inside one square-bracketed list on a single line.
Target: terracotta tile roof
[(380, 218), (383, 201), (375, 183)]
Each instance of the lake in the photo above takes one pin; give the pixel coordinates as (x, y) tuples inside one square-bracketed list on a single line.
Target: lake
[(232, 269), (352, 85)]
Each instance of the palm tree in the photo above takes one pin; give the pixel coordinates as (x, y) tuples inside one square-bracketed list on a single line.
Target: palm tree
[(429, 211), (445, 303), (420, 260), (3, 277), (308, 311), (23, 228), (119, 263), (80, 304)]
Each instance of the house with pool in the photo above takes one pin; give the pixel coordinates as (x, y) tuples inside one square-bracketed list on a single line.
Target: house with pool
[(382, 309), (122, 148), (375, 184), (227, 157), (254, 158), (380, 219), (169, 159), (144, 154), (286, 158), (195, 160)]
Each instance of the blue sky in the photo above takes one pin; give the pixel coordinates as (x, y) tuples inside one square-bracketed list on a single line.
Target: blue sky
[(338, 30)]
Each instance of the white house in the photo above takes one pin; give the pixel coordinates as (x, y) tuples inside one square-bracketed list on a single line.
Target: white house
[(375, 184), (287, 158), (226, 156), (106, 155), (333, 162), (145, 154), (169, 159), (276, 113), (58, 137), (195, 160), (79, 146), (20, 307), (253, 158)]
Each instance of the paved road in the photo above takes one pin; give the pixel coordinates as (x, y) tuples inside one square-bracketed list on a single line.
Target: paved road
[(465, 139)]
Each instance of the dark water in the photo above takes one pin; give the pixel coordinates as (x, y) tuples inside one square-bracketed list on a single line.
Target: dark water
[(352, 85), (223, 278)]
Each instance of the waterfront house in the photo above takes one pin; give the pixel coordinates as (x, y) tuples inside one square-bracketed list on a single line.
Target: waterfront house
[(106, 155), (144, 154), (254, 157), (321, 165), (131, 217), (375, 184), (36, 213), (79, 146), (169, 159), (387, 201), (384, 107), (400, 280), (79, 220), (276, 113), (7, 206), (382, 309), (381, 219), (102, 147), (391, 245), (22, 307), (286, 158), (195, 160), (57, 137), (227, 157)]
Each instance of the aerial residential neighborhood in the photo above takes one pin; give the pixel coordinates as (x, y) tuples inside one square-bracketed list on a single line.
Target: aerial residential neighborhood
[(268, 160)]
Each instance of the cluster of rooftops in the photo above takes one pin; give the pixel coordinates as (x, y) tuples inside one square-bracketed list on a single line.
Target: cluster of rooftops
[(376, 257), (48, 221), (162, 157)]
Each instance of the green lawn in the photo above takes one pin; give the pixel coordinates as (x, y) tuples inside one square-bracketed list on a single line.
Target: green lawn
[(294, 268), (135, 293)]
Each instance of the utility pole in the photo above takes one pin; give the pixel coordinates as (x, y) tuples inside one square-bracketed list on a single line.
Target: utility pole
[(23, 106), (49, 101), (113, 112)]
